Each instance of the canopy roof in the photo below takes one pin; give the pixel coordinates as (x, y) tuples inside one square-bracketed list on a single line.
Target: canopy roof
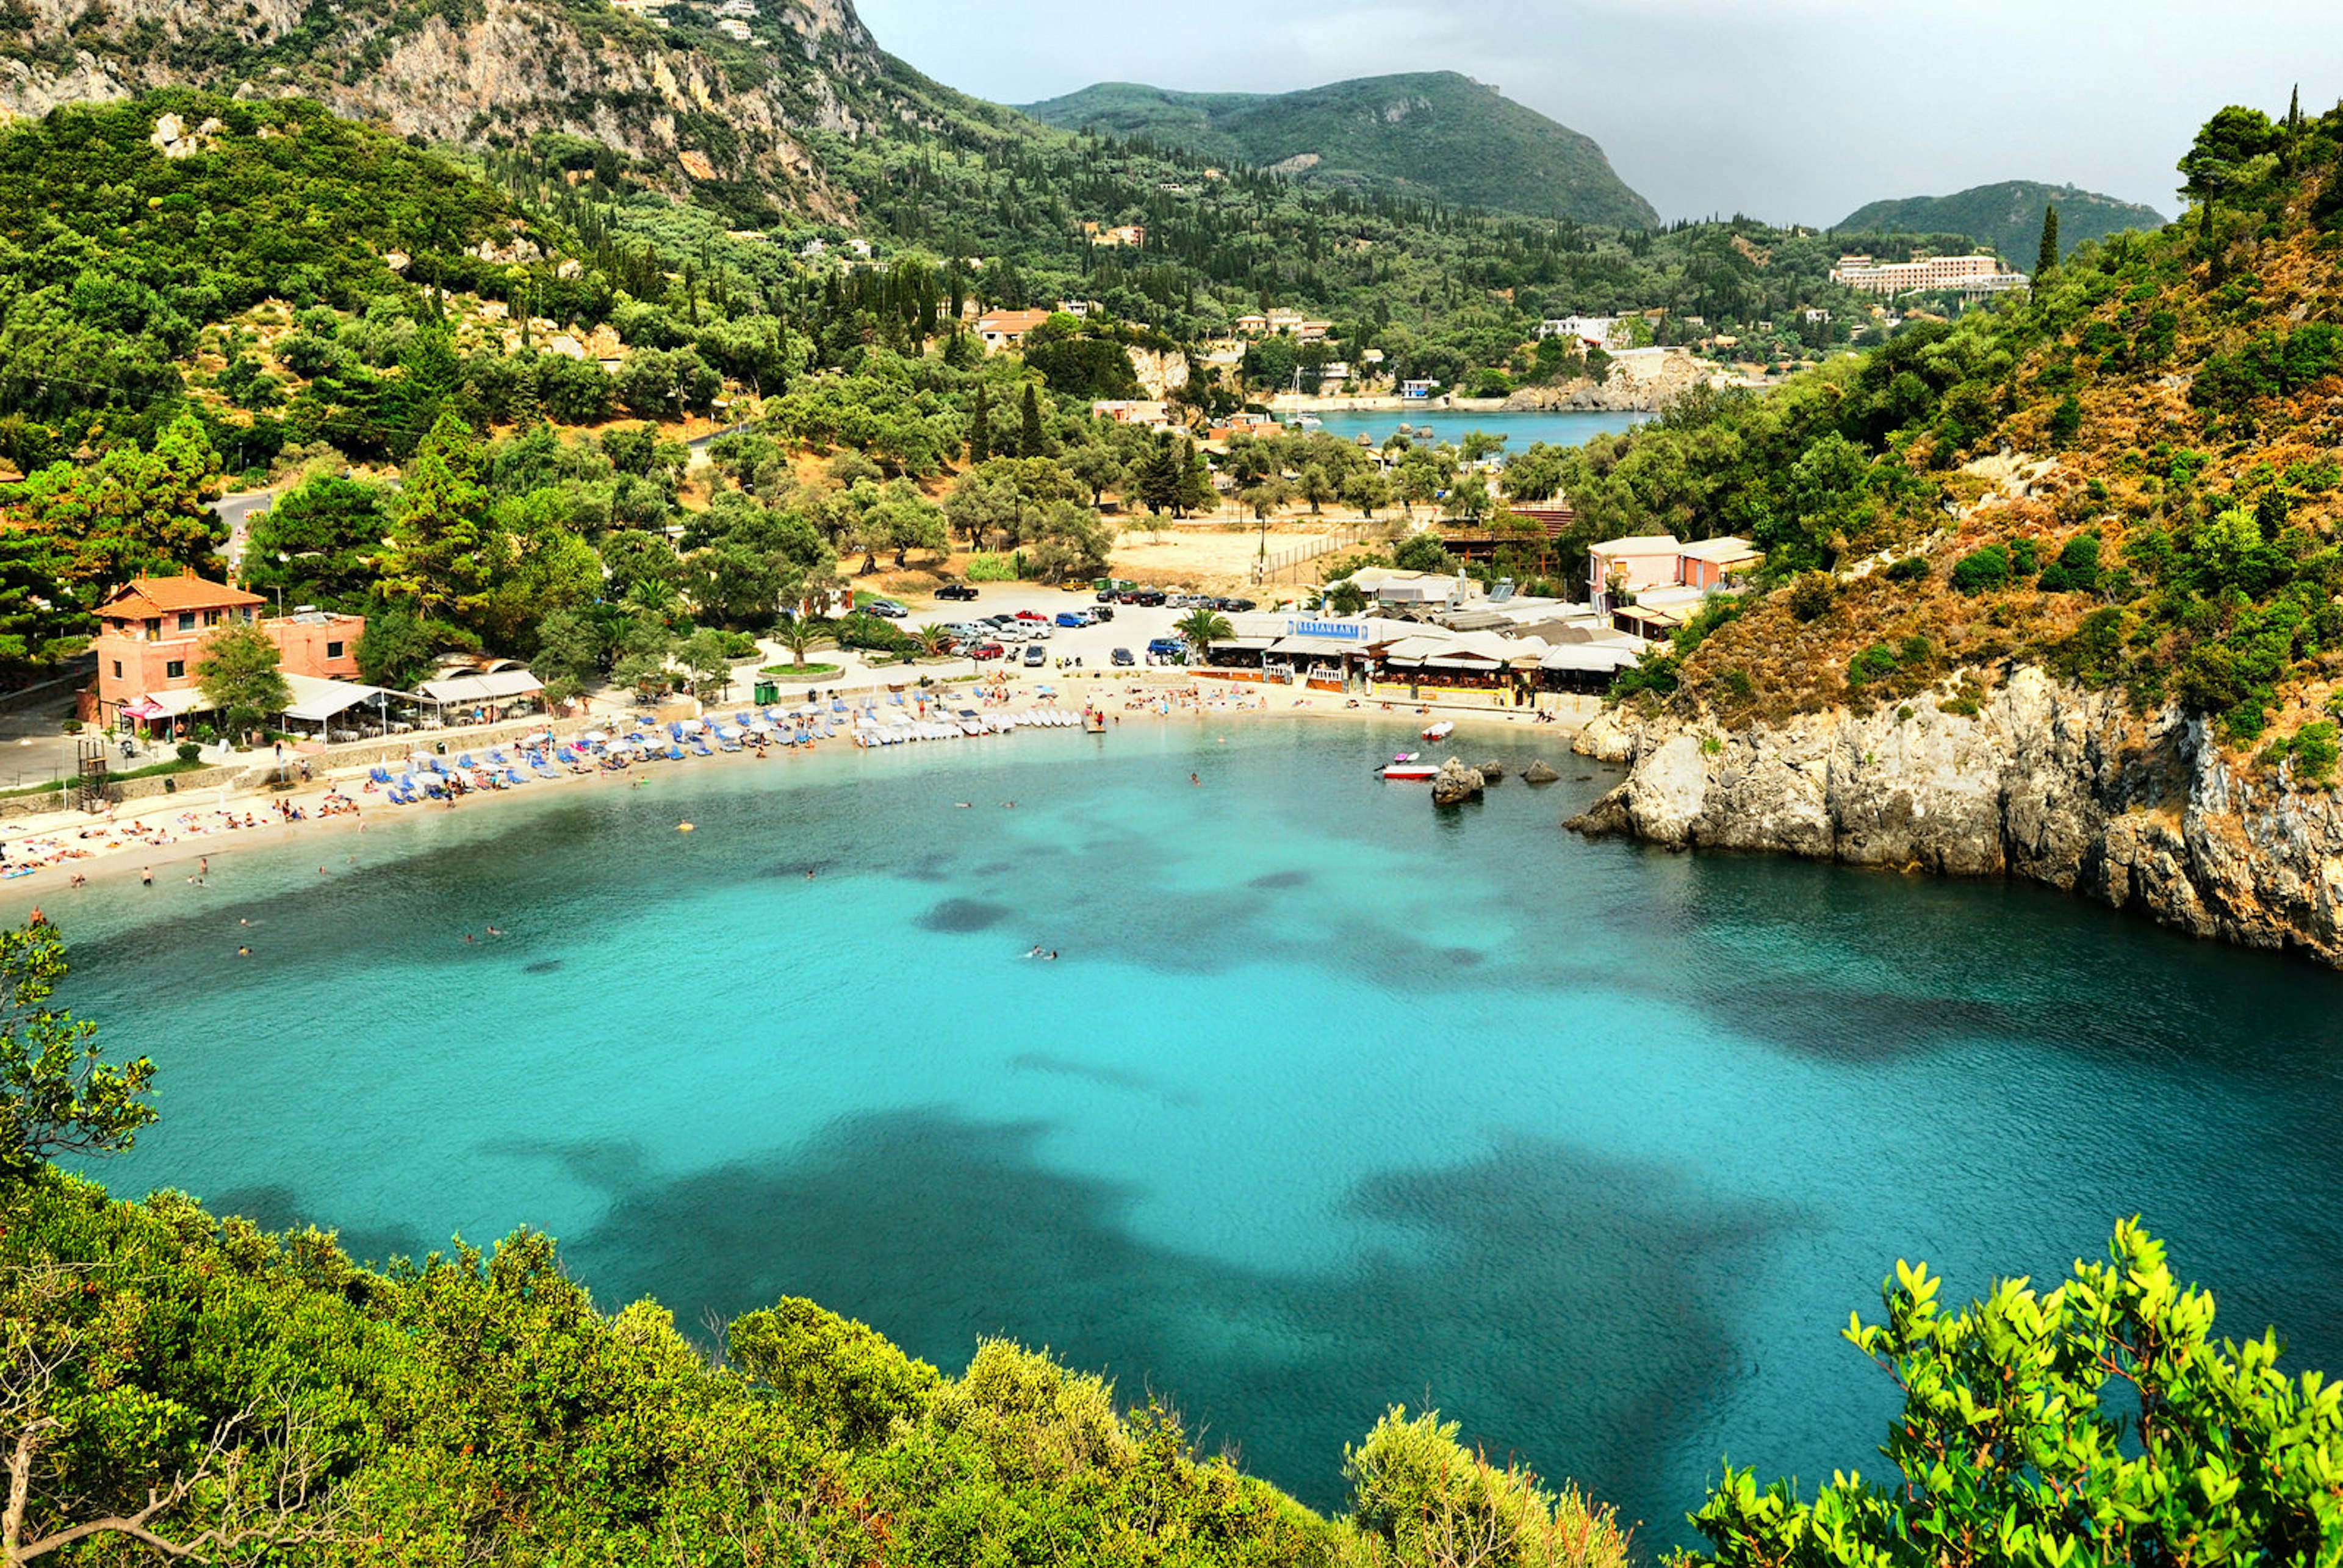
[(496, 686), (1588, 656), (316, 700)]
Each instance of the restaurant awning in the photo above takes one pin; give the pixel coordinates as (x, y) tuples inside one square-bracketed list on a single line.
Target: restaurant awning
[(1589, 656), (497, 685), (316, 699), (178, 703), (1253, 644)]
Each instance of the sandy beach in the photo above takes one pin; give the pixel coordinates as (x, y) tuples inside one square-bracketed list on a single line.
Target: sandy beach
[(172, 836)]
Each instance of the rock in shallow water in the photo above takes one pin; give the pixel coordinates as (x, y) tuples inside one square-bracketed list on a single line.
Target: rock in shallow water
[(1539, 773), (1455, 783)]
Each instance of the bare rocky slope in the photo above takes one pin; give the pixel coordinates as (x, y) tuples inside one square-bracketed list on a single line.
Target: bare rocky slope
[(686, 101), (2046, 782)]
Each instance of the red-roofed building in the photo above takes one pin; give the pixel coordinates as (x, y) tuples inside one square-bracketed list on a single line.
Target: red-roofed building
[(151, 634), (1006, 330)]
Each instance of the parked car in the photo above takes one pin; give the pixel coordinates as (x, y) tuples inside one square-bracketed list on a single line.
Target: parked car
[(1165, 646), (1031, 615), (1121, 657), (1232, 606), (1072, 617), (956, 591), (1035, 658), (1104, 612), (885, 607), (1000, 620), (1038, 631), (1151, 598), (987, 650)]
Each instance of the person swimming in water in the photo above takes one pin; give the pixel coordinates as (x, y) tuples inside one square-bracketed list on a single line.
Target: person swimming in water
[(244, 952), (496, 930), (1036, 952)]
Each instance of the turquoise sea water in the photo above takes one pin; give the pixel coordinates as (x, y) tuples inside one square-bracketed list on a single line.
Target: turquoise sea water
[(1330, 1103), (1521, 430)]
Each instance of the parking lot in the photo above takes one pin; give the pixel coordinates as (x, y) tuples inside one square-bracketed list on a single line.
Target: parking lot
[(1132, 625)]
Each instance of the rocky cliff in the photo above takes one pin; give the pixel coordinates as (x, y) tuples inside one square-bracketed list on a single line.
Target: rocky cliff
[(2044, 781), (689, 106), (1635, 384)]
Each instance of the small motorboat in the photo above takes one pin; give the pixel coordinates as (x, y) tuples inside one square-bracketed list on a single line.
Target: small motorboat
[(1408, 766), (1440, 732)]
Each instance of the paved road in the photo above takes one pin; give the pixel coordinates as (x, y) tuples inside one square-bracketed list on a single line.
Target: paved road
[(238, 512)]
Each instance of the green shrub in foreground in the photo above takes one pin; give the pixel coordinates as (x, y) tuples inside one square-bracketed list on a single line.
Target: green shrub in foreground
[(2097, 1424)]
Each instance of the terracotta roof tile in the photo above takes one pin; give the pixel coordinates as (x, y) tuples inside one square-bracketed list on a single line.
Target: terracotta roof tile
[(143, 597)]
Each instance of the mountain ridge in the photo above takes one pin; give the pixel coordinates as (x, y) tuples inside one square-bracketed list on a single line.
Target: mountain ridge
[(2007, 216), (1437, 134)]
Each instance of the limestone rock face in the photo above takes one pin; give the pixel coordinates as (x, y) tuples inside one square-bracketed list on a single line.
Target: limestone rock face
[(2047, 781), (1493, 772), (1455, 783), (1159, 373), (523, 65)]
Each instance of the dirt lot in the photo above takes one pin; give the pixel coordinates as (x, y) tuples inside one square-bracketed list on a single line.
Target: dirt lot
[(1213, 556)]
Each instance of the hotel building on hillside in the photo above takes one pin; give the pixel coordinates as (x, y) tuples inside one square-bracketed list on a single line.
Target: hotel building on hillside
[(1970, 274)]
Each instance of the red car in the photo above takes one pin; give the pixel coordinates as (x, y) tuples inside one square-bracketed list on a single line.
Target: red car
[(987, 650), (1031, 615)]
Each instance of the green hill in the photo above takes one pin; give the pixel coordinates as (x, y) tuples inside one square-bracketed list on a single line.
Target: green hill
[(1435, 135), (2007, 216)]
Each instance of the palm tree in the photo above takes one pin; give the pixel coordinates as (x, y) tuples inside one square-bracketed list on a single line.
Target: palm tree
[(1203, 627), (934, 640), (800, 634)]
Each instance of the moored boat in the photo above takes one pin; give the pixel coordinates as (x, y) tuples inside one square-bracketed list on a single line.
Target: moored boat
[(1409, 767)]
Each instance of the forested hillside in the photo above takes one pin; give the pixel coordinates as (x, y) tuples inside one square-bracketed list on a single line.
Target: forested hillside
[(2007, 218), (2135, 480), (681, 150), (1435, 136)]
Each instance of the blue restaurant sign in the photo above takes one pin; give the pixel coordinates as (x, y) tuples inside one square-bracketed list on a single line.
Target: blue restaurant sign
[(1350, 631)]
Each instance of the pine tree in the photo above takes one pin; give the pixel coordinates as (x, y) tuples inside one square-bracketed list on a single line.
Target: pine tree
[(1030, 440), (2047, 257), (980, 428)]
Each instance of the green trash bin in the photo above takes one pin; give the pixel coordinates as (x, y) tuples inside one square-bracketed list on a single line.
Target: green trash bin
[(767, 692)]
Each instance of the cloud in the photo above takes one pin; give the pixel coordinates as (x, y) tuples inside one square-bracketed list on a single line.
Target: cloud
[(1794, 110)]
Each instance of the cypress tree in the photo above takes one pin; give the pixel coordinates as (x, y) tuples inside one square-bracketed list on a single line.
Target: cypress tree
[(2048, 257), (980, 429), (1029, 443)]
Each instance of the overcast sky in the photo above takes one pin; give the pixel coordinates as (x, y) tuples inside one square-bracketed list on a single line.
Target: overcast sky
[(1790, 110)]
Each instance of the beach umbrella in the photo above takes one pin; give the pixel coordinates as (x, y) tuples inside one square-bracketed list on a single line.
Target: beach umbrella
[(596, 737)]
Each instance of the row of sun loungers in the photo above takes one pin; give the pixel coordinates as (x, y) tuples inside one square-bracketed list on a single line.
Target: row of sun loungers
[(429, 777), (872, 727)]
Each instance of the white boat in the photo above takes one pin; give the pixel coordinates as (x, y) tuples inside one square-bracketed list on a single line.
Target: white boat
[(1440, 732)]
